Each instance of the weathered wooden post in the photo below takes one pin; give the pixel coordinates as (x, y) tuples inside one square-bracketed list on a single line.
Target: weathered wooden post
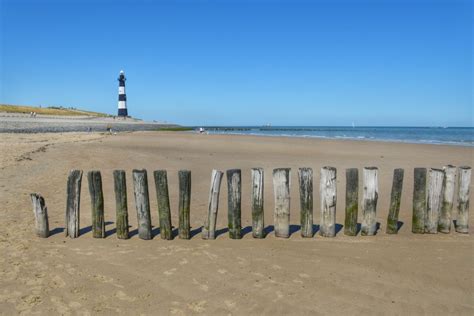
[(121, 208), (209, 228), (97, 204), (462, 221), (305, 176), (142, 203), (162, 197), (352, 201), (258, 223), (419, 201), (281, 189), (234, 198), (41, 215), (433, 205), (327, 187), (184, 204), (395, 199), (370, 197), (445, 216), (73, 205)]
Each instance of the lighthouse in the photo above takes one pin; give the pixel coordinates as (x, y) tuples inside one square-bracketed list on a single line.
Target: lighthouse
[(122, 98)]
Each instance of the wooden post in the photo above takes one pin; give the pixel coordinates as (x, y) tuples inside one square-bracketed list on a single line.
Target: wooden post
[(209, 229), (369, 206), (327, 189), (142, 203), (462, 221), (433, 205), (41, 215), (419, 201), (395, 199), (97, 204), (305, 176), (234, 197), (352, 201), (445, 216), (281, 189), (184, 203), (121, 208), (258, 223), (73, 205), (162, 197)]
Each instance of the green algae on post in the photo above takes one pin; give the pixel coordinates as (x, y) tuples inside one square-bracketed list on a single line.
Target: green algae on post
[(162, 197), (352, 201), (184, 204), (97, 204), (462, 221), (305, 177), (121, 208), (395, 199), (73, 204), (234, 197)]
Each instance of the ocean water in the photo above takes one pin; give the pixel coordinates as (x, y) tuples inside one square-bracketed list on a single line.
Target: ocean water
[(461, 136)]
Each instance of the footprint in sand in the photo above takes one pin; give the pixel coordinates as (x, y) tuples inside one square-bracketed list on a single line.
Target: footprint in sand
[(57, 282), (279, 296), (202, 287), (170, 271), (124, 297), (60, 306), (241, 260), (210, 255), (197, 307), (28, 301), (176, 311), (230, 304), (75, 305)]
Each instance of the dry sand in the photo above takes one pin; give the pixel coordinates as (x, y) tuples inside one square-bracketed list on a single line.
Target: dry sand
[(384, 274)]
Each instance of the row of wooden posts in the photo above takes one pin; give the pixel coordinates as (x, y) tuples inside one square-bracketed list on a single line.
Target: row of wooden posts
[(433, 200)]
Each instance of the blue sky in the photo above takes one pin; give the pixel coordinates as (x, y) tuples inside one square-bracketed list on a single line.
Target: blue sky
[(403, 63)]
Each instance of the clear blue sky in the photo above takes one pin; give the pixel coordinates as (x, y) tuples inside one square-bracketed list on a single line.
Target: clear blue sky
[(405, 63)]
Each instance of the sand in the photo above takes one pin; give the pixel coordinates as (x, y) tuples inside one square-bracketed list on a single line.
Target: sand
[(24, 123), (383, 274)]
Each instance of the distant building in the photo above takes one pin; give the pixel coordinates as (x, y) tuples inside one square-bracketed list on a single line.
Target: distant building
[(122, 100)]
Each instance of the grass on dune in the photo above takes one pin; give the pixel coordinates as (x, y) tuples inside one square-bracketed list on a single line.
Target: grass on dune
[(51, 110)]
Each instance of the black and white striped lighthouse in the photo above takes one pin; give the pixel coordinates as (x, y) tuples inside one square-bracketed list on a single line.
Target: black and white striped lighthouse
[(122, 100)]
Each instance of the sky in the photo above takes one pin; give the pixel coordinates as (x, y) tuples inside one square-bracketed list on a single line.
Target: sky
[(374, 63)]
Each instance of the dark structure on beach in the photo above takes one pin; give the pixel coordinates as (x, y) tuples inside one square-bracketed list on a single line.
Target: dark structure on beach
[(122, 99)]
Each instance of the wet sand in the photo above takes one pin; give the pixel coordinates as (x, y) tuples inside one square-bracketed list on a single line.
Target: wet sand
[(383, 274)]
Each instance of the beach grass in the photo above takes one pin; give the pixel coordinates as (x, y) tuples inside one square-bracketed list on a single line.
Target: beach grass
[(49, 110)]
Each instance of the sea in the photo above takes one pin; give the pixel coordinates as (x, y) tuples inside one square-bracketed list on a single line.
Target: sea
[(460, 136)]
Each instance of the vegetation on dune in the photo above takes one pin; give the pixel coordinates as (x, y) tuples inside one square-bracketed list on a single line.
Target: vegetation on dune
[(50, 110)]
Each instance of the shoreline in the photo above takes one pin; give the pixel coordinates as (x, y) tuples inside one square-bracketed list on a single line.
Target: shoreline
[(151, 127), (396, 141)]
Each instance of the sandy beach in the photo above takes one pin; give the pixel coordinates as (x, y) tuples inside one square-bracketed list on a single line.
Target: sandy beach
[(382, 274)]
